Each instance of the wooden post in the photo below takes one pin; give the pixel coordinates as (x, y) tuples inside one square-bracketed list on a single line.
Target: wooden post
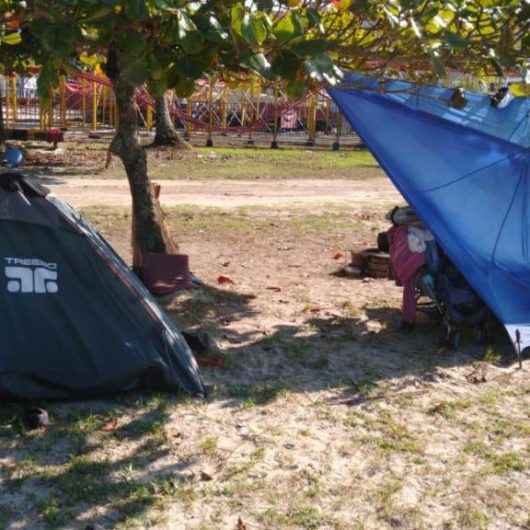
[(14, 96), (311, 120), (8, 102), (116, 112), (42, 114), (62, 101), (50, 110), (209, 140), (189, 115), (336, 144), (328, 116), (149, 117), (274, 143), (224, 110), (94, 105), (83, 100), (112, 114)]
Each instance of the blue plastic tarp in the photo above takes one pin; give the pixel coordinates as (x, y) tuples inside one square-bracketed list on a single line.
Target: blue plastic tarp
[(465, 172)]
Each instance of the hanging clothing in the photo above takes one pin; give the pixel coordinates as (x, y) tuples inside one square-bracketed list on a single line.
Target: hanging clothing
[(406, 262)]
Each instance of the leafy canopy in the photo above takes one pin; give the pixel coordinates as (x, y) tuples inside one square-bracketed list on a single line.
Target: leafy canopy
[(172, 43)]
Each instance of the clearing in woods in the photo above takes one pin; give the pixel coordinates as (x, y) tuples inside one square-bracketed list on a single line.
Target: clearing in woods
[(325, 417)]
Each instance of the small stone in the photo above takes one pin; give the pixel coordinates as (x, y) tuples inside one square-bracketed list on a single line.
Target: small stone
[(205, 476)]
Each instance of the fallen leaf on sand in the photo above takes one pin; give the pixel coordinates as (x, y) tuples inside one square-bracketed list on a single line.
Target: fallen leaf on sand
[(110, 425), (211, 361)]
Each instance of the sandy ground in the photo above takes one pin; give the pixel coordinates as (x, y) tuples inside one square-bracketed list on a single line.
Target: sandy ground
[(231, 194), (325, 417)]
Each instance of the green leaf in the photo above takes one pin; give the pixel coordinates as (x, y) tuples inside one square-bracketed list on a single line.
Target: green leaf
[(322, 69), (185, 25), (48, 78), (99, 13), (456, 41), (310, 48), (136, 9), (286, 65), (265, 5), (236, 16), (295, 89), (259, 28), (288, 27), (259, 63), (12, 38), (215, 31), (247, 30), (185, 88), (192, 43)]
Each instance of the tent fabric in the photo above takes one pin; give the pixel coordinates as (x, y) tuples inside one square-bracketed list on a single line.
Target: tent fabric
[(465, 172), (76, 322)]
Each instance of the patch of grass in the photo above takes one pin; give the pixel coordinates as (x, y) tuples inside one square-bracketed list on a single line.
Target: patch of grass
[(208, 445), (244, 467), (449, 409), (297, 350), (384, 497), (472, 518), (489, 398), (258, 394), (393, 436), (300, 516), (319, 363), (505, 429), (492, 356), (247, 163), (150, 423), (498, 463), (52, 513)]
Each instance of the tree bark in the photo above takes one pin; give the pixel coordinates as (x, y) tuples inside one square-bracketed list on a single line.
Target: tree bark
[(148, 232), (2, 133), (165, 132)]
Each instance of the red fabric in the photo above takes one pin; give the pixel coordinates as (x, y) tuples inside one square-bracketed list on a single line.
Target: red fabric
[(406, 265), (54, 136)]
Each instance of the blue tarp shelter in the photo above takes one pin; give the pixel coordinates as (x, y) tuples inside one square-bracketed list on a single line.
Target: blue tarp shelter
[(466, 173)]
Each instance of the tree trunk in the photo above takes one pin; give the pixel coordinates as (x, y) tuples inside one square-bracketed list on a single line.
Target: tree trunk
[(165, 132), (148, 232), (2, 133)]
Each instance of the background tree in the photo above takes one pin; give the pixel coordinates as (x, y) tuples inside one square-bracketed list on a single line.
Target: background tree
[(165, 132), (172, 43)]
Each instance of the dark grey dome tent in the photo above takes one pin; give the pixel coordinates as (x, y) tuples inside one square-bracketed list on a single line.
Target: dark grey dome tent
[(75, 321)]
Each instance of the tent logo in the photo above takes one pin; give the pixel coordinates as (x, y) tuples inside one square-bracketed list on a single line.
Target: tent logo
[(31, 275)]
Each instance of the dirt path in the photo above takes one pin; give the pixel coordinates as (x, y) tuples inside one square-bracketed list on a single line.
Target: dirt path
[(232, 194)]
